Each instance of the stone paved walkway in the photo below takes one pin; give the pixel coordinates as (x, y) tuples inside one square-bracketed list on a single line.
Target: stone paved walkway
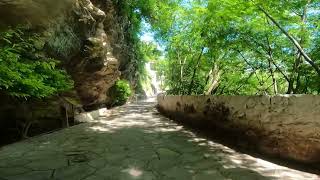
[(134, 143)]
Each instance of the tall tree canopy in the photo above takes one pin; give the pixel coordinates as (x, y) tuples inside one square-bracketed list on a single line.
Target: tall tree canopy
[(240, 46)]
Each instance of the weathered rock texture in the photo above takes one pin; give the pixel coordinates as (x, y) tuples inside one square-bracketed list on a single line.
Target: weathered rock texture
[(285, 126), (91, 40), (32, 12)]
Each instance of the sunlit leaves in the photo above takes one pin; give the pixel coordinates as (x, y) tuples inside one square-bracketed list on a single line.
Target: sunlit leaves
[(22, 75), (250, 51)]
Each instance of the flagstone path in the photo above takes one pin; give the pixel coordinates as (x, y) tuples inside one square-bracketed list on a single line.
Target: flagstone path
[(135, 142)]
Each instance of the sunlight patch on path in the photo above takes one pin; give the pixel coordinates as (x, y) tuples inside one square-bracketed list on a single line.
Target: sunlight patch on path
[(134, 142)]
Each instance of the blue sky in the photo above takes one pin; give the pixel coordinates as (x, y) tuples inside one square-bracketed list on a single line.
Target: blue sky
[(147, 35)]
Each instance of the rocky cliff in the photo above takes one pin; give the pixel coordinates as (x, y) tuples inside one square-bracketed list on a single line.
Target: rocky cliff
[(90, 38)]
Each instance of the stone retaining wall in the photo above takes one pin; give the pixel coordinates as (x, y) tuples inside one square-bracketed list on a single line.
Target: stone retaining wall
[(284, 126)]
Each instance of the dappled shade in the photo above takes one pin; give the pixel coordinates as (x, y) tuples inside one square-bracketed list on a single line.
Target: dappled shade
[(134, 142)]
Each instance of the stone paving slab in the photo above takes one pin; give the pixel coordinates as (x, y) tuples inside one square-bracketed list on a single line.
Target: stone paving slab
[(134, 143)]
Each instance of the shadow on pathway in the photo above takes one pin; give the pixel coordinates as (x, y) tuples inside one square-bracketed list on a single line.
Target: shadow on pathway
[(135, 142)]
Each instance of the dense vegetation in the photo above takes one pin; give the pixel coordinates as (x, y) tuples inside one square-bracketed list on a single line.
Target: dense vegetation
[(239, 46), (120, 93), (25, 71), (138, 12), (211, 47)]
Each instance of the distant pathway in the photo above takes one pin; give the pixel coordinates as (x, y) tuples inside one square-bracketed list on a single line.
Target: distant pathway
[(134, 143)]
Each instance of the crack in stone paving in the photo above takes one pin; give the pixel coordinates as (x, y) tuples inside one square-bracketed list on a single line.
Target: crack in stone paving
[(52, 174), (134, 142)]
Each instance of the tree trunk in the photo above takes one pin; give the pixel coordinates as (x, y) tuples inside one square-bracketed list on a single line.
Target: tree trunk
[(274, 81), (195, 71), (297, 89), (213, 79), (299, 59), (182, 63), (290, 87), (293, 40), (270, 59)]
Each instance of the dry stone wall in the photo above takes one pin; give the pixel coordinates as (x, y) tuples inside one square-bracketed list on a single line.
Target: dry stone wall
[(282, 126)]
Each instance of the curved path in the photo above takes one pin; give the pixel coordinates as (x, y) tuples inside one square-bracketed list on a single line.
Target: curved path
[(133, 143)]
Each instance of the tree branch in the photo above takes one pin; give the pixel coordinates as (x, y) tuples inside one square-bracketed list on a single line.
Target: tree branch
[(293, 40)]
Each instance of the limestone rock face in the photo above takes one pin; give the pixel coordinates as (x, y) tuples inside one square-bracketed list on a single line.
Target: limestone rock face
[(105, 52), (282, 126), (89, 37), (95, 67), (32, 12)]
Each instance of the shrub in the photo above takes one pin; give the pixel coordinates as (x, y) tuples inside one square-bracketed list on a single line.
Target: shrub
[(25, 71), (120, 93)]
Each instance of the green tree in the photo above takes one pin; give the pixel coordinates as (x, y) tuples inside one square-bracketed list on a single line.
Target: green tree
[(24, 71), (241, 47)]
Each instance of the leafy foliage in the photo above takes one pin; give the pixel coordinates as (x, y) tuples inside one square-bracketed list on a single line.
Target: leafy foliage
[(240, 47), (148, 53), (24, 71), (120, 93), (63, 41), (137, 12)]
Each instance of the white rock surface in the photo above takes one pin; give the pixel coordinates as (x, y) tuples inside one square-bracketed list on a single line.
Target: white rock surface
[(91, 116)]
